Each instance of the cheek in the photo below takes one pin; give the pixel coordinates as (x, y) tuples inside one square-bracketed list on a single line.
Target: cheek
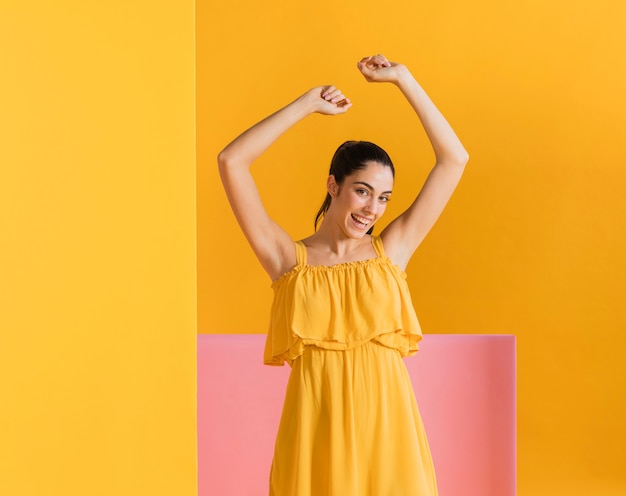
[(356, 200)]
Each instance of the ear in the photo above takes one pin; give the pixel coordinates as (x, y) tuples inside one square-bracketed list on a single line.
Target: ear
[(332, 186)]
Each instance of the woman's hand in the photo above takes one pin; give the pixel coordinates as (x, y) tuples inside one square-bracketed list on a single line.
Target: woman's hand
[(327, 100), (378, 69)]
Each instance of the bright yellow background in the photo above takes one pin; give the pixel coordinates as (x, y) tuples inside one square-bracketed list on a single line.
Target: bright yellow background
[(97, 258), (533, 242)]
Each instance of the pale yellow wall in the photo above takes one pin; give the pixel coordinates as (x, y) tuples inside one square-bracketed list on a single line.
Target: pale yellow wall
[(97, 252), (533, 242)]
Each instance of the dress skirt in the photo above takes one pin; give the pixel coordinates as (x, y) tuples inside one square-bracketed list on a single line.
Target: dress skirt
[(350, 426)]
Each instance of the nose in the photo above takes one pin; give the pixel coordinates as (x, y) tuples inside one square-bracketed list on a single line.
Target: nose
[(371, 207)]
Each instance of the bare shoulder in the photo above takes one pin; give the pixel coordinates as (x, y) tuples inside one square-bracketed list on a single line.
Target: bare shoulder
[(284, 258), (395, 246)]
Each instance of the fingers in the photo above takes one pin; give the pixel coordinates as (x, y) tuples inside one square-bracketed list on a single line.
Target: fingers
[(344, 104), (332, 94), (335, 101), (377, 68), (374, 62), (379, 61)]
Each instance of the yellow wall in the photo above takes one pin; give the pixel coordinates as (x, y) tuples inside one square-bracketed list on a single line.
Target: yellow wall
[(533, 242), (97, 253)]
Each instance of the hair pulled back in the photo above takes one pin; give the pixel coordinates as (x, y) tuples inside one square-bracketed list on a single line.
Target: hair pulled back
[(352, 156)]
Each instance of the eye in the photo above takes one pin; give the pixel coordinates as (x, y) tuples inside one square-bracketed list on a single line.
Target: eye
[(385, 199), (362, 192)]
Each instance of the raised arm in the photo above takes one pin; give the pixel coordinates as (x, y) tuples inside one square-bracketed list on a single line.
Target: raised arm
[(405, 233), (271, 244)]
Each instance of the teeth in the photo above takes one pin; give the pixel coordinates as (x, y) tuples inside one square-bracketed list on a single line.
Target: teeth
[(361, 220)]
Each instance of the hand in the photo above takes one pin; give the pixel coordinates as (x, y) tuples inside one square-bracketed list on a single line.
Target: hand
[(328, 100), (378, 69)]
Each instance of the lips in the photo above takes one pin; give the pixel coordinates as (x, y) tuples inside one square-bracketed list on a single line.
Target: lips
[(361, 221)]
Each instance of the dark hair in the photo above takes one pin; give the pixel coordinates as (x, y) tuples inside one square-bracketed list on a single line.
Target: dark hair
[(352, 156)]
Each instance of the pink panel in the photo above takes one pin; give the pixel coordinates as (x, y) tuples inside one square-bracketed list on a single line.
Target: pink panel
[(239, 406), (465, 387)]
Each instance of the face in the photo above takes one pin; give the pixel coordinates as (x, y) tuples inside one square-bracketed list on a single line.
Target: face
[(362, 198)]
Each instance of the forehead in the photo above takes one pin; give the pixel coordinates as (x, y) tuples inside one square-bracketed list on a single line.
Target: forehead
[(375, 174)]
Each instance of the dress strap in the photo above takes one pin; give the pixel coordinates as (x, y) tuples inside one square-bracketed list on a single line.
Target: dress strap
[(300, 253), (378, 246)]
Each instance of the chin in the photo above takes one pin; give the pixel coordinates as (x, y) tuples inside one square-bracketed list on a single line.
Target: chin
[(358, 233)]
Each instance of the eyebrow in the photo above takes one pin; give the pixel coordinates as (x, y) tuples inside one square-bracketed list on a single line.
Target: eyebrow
[(371, 187)]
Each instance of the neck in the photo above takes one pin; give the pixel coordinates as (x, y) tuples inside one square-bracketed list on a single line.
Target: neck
[(332, 239)]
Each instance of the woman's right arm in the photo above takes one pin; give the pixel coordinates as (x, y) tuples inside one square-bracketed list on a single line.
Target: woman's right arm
[(271, 244)]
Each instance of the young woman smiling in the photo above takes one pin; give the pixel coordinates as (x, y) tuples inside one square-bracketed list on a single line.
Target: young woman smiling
[(342, 315)]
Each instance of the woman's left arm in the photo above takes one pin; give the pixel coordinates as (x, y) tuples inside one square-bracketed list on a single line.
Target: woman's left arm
[(405, 233)]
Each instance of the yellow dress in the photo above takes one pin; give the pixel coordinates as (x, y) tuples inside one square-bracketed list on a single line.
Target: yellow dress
[(350, 424)]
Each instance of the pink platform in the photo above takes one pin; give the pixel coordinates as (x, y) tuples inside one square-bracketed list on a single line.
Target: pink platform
[(465, 388)]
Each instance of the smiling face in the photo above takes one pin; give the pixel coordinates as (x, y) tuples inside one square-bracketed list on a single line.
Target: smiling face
[(360, 200)]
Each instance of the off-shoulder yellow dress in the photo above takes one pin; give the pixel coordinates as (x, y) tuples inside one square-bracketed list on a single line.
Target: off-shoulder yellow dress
[(350, 424)]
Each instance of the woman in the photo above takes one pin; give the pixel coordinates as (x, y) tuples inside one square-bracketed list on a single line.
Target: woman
[(342, 315)]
